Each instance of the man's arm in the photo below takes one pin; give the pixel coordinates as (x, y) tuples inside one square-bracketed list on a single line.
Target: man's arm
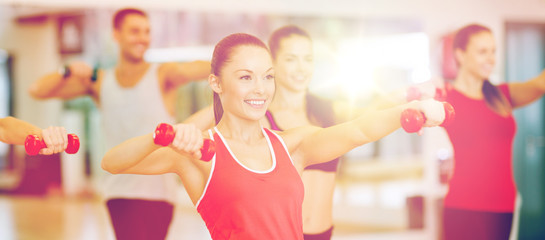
[(77, 82), (176, 74)]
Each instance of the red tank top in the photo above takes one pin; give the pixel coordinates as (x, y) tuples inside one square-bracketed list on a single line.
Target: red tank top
[(240, 203), (482, 141)]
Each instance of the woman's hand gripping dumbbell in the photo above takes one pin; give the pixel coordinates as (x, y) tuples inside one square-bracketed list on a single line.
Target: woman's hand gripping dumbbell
[(165, 134), (54, 140), (412, 120)]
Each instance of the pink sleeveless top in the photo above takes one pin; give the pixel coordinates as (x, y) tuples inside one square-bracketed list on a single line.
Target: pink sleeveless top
[(483, 148), (241, 203)]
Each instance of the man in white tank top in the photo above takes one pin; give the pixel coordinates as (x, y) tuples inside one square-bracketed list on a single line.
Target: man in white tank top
[(133, 98)]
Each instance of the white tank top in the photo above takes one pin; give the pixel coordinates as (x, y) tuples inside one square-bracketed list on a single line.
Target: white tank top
[(131, 112)]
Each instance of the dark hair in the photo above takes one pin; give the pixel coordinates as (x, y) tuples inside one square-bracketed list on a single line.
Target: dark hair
[(463, 35), (222, 54), (120, 15), (494, 98), (284, 32)]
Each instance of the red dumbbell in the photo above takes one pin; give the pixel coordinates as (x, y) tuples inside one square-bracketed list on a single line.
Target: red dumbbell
[(412, 120), (33, 144), (164, 135), (413, 93)]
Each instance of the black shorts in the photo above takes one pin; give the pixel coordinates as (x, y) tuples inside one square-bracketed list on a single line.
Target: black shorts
[(319, 236), (140, 219), (478, 225)]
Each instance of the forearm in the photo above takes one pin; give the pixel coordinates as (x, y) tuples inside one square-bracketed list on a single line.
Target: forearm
[(15, 131), (319, 145), (128, 154), (374, 125), (75, 82), (47, 86), (524, 93)]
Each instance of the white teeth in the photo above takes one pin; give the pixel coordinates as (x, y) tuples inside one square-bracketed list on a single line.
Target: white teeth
[(256, 102)]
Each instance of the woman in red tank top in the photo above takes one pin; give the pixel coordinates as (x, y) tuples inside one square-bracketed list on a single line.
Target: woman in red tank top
[(252, 187), (481, 197)]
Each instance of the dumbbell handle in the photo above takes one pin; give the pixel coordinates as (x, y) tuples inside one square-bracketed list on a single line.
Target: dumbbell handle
[(164, 135), (412, 120), (33, 144), (413, 93)]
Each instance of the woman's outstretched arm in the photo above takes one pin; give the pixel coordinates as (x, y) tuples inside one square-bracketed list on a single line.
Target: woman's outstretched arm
[(14, 131), (523, 93), (140, 155), (315, 145)]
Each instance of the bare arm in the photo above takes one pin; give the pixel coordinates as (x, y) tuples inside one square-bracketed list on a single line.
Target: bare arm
[(316, 145), (523, 93), (14, 131), (140, 155), (128, 157), (176, 74), (54, 85)]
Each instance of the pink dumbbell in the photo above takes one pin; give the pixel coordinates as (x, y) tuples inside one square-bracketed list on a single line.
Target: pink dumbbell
[(412, 120), (33, 144), (164, 135)]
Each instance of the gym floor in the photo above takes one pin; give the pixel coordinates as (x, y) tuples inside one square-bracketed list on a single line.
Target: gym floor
[(56, 217)]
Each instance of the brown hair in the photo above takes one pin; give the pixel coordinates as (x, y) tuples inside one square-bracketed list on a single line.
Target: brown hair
[(284, 32), (222, 54), (493, 96), (121, 14)]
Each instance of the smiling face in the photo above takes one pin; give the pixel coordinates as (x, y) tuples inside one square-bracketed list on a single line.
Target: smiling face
[(294, 63), (479, 56), (133, 37), (246, 82)]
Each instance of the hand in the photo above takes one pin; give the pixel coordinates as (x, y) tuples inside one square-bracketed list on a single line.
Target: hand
[(82, 71), (187, 140), (433, 110), (56, 140)]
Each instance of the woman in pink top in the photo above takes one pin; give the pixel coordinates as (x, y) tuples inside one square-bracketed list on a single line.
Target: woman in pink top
[(481, 196), (252, 187)]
